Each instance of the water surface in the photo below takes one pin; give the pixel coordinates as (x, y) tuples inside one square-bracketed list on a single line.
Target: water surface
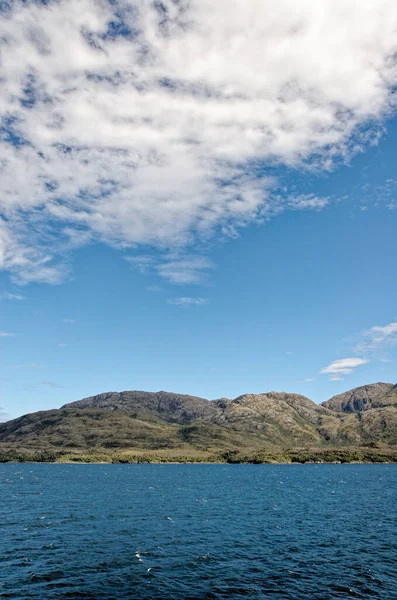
[(198, 531)]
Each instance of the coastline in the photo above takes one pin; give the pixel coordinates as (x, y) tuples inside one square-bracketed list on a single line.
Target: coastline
[(274, 456)]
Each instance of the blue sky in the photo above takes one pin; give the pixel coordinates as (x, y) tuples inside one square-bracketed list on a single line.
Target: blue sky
[(169, 221)]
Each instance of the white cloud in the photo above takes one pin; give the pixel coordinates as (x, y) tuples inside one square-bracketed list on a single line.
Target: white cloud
[(70, 321), (161, 137), (380, 194), (378, 338), (281, 202), (185, 301), (309, 201), (189, 269), (8, 296), (176, 268), (341, 367), (308, 380), (142, 263), (6, 334)]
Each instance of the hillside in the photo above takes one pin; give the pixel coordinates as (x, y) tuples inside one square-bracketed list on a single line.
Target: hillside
[(175, 408), (162, 421), (375, 395)]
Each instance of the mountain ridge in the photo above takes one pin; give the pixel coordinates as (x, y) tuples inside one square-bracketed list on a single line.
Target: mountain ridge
[(139, 420), (374, 395)]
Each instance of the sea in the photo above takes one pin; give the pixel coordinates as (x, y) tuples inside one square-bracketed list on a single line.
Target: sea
[(196, 532)]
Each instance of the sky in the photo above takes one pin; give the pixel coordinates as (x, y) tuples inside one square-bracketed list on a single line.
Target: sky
[(196, 197)]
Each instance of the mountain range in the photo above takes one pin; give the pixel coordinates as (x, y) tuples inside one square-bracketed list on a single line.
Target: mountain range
[(163, 421)]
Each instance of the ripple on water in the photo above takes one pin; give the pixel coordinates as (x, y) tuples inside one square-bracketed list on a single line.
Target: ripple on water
[(198, 532)]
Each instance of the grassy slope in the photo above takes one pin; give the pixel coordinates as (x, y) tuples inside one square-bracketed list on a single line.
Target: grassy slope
[(272, 427)]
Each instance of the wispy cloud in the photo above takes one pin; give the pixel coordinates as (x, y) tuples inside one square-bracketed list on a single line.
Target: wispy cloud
[(4, 334), (70, 321), (143, 263), (152, 123), (377, 338), (381, 195), (8, 296), (184, 270), (341, 367), (281, 202), (185, 301), (308, 380), (175, 268), (309, 201)]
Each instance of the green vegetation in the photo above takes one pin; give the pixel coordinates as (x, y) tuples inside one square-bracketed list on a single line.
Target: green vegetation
[(134, 427), (303, 456)]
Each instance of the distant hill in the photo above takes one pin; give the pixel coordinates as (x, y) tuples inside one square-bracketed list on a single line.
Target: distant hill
[(143, 421), (174, 408), (375, 395)]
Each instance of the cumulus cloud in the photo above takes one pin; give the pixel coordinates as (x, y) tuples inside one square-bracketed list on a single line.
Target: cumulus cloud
[(186, 301), (378, 338), (341, 367), (154, 123)]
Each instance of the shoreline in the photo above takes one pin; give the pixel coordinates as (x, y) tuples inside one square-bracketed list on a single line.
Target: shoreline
[(32, 462), (347, 455)]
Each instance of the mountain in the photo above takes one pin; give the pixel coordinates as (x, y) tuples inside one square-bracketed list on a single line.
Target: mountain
[(275, 417), (375, 395), (174, 408), (151, 421)]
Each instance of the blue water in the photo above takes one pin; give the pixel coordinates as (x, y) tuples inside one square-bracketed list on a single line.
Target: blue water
[(198, 531)]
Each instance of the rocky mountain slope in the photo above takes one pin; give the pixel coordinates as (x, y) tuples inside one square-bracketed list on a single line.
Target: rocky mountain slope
[(161, 420), (375, 395), (174, 408)]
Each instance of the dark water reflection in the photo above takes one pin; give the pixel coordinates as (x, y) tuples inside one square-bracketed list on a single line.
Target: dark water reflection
[(198, 531)]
